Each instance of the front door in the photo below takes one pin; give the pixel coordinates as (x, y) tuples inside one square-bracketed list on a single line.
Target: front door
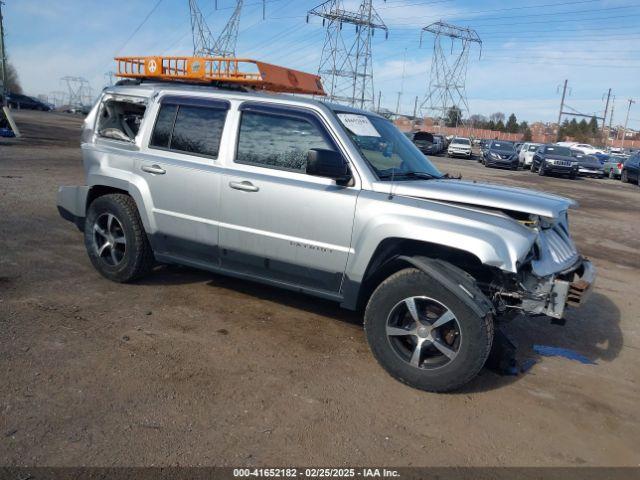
[(277, 221)]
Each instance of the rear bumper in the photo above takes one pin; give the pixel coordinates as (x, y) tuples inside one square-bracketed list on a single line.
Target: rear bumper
[(72, 204)]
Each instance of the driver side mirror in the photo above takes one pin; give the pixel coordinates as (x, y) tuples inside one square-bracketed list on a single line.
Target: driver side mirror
[(328, 163)]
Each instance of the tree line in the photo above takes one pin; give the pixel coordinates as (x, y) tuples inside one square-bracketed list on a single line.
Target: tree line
[(581, 131), (495, 121)]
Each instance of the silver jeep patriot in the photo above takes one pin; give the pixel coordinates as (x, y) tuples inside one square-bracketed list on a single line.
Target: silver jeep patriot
[(327, 200)]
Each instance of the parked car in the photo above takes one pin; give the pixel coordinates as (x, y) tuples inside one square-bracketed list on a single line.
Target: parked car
[(552, 159), (631, 170), (583, 147), (459, 147), (588, 165), (18, 101), (602, 157), (292, 192), (517, 146), (526, 153), (441, 142), (612, 168), (501, 154), (425, 142)]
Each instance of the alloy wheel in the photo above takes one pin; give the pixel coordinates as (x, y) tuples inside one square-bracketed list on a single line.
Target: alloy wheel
[(424, 332), (109, 241)]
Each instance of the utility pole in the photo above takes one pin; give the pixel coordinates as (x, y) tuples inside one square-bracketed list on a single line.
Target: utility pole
[(415, 108), (379, 98), (626, 121), (613, 107), (404, 65), (3, 60), (564, 93), (606, 110)]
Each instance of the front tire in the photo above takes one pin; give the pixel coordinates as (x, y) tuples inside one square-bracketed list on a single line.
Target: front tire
[(115, 239), (446, 343)]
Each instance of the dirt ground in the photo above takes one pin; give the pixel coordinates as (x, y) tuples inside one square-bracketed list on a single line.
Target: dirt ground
[(191, 368)]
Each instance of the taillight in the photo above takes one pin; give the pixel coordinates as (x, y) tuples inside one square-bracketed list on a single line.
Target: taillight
[(619, 166)]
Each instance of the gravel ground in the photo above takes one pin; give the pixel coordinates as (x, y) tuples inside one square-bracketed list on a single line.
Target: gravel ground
[(191, 368)]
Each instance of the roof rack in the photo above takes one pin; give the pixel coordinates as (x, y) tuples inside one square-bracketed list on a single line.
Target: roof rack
[(220, 71)]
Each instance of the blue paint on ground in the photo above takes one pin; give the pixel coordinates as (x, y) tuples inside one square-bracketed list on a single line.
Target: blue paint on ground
[(548, 351)]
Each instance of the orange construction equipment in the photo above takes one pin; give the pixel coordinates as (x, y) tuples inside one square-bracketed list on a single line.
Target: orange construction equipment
[(219, 70)]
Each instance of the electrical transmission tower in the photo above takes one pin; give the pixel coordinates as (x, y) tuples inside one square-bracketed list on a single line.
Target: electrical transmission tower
[(78, 90), (346, 67), (204, 44), (448, 74), (202, 39), (225, 45)]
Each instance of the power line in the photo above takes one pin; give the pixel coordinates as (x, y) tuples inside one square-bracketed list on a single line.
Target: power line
[(137, 29)]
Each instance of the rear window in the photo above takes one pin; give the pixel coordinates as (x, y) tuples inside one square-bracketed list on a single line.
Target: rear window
[(461, 141), (532, 148), (120, 119), (189, 129)]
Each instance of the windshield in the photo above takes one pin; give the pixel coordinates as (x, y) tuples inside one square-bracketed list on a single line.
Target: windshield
[(533, 148), (563, 151), (502, 146), (385, 148), (461, 141)]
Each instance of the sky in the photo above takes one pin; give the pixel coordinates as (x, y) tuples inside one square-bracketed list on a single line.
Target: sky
[(529, 47)]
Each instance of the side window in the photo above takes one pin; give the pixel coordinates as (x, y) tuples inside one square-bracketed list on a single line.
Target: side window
[(277, 141), (189, 129), (164, 126), (120, 120), (198, 130)]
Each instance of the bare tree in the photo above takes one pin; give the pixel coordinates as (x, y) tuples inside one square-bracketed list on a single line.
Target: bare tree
[(13, 83), (477, 121), (497, 117)]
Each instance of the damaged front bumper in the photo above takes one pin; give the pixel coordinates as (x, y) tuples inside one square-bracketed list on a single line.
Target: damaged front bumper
[(551, 295)]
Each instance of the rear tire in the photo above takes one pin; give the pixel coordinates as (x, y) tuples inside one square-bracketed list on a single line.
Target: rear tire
[(541, 171), (115, 239), (448, 355)]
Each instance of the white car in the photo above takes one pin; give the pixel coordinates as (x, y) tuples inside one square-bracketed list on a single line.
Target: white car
[(459, 147), (526, 153), (583, 147)]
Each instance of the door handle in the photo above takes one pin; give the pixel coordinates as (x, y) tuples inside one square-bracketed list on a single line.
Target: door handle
[(245, 186), (155, 169)]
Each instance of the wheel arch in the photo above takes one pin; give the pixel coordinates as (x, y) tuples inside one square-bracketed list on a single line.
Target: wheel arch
[(125, 188), (395, 254)]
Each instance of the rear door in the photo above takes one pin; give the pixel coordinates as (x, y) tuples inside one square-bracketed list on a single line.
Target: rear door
[(181, 171), (278, 222)]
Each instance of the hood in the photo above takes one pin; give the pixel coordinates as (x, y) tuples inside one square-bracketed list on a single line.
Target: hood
[(481, 195)]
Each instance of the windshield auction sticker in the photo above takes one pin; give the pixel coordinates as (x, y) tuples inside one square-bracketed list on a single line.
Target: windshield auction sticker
[(358, 124)]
